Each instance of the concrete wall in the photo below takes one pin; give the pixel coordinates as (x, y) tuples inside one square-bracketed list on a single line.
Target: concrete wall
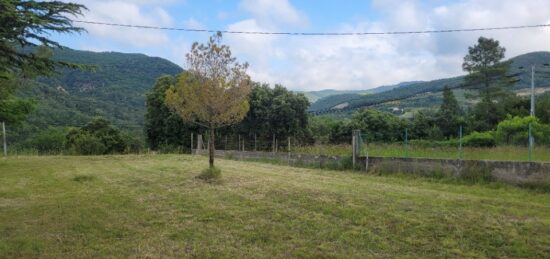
[(511, 172)]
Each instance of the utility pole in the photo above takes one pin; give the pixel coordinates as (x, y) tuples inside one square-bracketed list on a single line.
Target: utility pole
[(533, 90), (4, 139)]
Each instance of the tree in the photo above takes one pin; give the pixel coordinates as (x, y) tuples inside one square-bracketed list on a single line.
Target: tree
[(275, 111), (163, 127), (448, 116), (488, 74), (24, 23), (96, 137), (214, 91), (378, 126)]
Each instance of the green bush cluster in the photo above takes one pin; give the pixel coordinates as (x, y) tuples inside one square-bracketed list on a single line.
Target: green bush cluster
[(98, 137)]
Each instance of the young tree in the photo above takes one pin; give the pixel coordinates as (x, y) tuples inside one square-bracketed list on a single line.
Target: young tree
[(448, 116), (214, 91)]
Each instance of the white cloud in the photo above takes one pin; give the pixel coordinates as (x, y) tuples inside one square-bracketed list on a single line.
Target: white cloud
[(274, 10), (360, 62), (127, 13), (191, 23)]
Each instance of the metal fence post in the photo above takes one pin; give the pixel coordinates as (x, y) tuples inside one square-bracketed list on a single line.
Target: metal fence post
[(406, 143), (460, 151), (530, 143)]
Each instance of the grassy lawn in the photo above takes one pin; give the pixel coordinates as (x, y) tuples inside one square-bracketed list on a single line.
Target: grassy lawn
[(507, 153), (152, 206)]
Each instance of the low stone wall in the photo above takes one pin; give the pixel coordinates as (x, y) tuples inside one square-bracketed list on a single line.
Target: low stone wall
[(511, 172)]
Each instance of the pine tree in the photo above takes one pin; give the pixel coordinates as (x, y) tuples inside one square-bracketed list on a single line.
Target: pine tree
[(449, 114)]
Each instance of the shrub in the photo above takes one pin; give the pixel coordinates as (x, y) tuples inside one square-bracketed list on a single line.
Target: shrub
[(515, 130), (480, 139), (86, 144), (50, 140)]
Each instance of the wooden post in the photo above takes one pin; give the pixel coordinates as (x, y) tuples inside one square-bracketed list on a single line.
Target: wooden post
[(191, 143), (239, 144), (273, 143), (255, 143)]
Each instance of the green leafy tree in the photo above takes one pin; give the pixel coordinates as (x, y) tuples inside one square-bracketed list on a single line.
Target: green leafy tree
[(449, 116), (542, 110), (214, 91), (378, 126), (515, 130), (423, 125), (276, 111), (85, 140), (487, 73), (163, 127), (24, 23)]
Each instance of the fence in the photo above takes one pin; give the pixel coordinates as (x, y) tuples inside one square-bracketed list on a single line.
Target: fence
[(518, 144)]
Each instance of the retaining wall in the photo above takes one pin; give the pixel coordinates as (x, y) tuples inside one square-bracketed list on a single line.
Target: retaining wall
[(511, 172)]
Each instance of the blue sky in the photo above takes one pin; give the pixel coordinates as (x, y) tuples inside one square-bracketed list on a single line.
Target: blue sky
[(319, 62)]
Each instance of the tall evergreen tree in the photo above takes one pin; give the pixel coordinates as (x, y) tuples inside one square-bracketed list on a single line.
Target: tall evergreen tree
[(487, 73), (449, 114), (24, 23)]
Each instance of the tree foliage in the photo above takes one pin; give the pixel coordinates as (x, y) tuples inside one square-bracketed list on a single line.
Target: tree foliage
[(214, 91), (163, 127), (275, 111), (95, 138), (449, 115), (26, 22)]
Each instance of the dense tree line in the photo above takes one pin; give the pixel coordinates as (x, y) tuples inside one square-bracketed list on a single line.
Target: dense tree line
[(274, 111)]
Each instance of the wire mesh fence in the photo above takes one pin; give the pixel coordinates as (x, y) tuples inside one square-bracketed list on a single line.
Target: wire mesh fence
[(519, 145)]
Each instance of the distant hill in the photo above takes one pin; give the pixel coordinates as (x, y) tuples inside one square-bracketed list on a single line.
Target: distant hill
[(350, 102), (313, 96), (115, 90)]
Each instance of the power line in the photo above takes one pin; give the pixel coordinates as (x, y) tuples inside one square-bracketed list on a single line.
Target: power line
[(516, 27)]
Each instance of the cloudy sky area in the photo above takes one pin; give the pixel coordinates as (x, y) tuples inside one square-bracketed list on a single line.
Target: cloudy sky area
[(320, 62)]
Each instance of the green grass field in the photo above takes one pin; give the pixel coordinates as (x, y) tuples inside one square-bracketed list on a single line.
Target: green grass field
[(506, 153), (153, 206)]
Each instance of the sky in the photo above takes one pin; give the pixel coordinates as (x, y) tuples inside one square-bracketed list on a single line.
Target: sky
[(319, 62)]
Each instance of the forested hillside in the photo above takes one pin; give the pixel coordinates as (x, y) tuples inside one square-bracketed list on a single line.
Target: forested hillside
[(521, 66), (114, 88)]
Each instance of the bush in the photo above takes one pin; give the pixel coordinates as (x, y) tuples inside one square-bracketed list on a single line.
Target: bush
[(480, 139), (51, 140), (515, 130), (85, 144)]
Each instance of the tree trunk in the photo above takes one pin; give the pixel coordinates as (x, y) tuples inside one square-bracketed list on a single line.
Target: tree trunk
[(211, 148)]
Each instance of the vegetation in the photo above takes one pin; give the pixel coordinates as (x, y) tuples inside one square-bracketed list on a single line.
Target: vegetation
[(128, 206), (115, 90), (27, 22), (429, 149), (213, 93)]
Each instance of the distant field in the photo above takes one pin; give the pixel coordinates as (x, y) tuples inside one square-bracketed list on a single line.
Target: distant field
[(152, 206), (507, 153)]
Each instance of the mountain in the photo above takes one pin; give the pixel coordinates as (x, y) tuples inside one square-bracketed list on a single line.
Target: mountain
[(115, 89), (313, 96), (520, 65)]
